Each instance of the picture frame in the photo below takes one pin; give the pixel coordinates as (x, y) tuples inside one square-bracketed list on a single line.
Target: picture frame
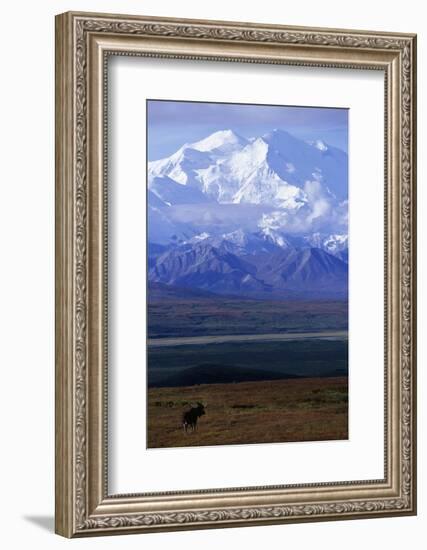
[(84, 42)]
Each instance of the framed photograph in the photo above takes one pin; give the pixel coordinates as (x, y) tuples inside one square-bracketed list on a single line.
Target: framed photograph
[(235, 274)]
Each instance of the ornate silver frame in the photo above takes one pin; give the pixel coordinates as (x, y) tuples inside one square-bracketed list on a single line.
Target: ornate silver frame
[(83, 42)]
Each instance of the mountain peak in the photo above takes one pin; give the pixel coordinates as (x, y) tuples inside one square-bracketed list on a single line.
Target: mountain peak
[(219, 139), (275, 175)]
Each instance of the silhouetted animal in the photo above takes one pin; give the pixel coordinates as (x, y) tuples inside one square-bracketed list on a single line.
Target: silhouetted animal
[(189, 418)]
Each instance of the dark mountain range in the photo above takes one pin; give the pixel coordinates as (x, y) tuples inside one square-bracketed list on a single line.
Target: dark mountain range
[(309, 269), (206, 267), (224, 267)]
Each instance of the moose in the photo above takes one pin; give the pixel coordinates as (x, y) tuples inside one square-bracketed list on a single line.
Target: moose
[(189, 418)]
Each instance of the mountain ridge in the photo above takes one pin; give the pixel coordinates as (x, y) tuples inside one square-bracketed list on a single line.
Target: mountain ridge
[(225, 268)]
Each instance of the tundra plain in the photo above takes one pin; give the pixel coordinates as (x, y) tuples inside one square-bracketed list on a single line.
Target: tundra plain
[(279, 411)]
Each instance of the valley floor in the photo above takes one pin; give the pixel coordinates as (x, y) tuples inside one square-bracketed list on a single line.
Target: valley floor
[(308, 409)]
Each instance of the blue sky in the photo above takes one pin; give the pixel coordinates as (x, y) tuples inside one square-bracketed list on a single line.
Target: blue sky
[(173, 123)]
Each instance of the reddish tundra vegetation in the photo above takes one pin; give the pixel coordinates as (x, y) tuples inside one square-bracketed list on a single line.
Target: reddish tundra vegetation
[(309, 409)]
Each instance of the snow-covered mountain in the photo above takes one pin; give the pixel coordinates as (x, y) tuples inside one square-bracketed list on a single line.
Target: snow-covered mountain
[(296, 187), (271, 170), (250, 216), (243, 243)]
